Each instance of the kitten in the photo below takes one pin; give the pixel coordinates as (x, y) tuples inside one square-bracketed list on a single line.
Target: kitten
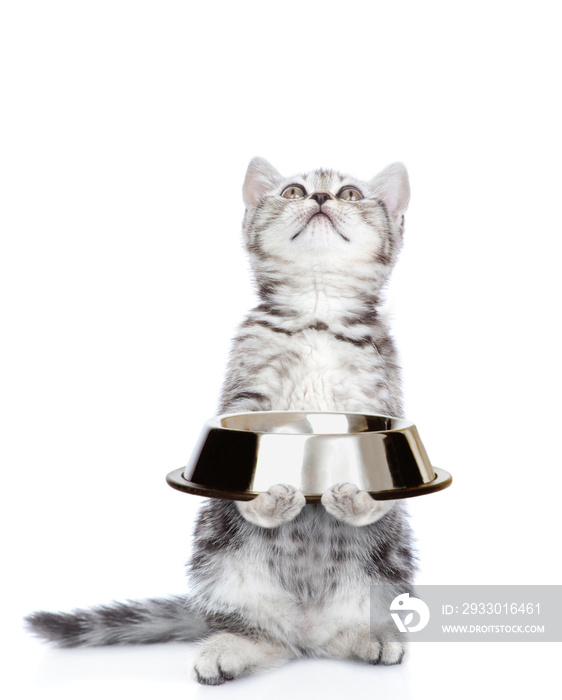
[(273, 579)]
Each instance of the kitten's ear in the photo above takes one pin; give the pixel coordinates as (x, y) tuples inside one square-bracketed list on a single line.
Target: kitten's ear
[(261, 176), (393, 187)]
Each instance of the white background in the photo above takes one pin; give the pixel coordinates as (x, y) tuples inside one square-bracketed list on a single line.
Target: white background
[(126, 128)]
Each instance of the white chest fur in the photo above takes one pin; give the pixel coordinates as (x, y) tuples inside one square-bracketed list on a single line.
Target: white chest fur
[(316, 371)]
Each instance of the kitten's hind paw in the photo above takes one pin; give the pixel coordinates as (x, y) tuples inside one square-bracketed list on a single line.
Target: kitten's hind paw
[(271, 508), (379, 650), (392, 653), (384, 653), (225, 656), (351, 505)]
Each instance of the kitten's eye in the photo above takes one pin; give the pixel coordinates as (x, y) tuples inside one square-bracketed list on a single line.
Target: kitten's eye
[(293, 192), (350, 194)]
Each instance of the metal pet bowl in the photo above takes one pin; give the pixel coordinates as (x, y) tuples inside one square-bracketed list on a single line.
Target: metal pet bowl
[(240, 455)]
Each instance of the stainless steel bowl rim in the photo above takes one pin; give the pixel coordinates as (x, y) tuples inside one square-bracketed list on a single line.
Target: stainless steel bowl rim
[(216, 422)]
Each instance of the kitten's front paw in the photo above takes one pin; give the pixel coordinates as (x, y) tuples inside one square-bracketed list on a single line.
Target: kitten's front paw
[(277, 505), (351, 505)]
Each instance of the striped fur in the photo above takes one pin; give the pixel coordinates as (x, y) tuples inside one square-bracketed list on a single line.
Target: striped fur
[(260, 595)]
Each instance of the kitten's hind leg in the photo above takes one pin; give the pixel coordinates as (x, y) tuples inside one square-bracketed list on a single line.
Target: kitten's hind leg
[(271, 508), (362, 644), (225, 656)]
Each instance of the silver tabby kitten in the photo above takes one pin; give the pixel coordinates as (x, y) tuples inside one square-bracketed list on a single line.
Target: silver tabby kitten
[(274, 579)]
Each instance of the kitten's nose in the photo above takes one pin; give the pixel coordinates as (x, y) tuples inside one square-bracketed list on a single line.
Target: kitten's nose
[(320, 197)]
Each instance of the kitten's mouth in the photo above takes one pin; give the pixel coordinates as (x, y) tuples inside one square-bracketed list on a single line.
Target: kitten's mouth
[(327, 216)]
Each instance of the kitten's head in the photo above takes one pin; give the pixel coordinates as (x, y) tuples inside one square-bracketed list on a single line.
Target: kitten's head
[(324, 221)]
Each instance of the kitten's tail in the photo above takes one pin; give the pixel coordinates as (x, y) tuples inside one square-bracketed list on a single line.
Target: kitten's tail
[(134, 622)]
